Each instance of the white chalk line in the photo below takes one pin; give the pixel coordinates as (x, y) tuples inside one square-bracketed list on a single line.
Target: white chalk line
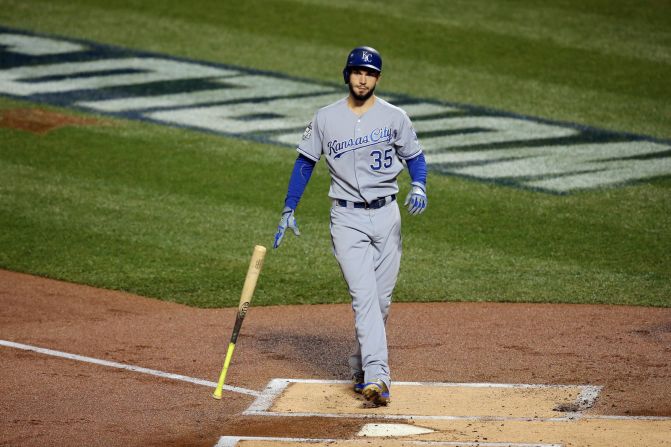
[(450, 384), (138, 369), (413, 417), (232, 441)]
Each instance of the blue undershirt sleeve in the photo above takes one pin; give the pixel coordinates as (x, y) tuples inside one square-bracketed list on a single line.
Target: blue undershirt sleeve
[(299, 179), (417, 168)]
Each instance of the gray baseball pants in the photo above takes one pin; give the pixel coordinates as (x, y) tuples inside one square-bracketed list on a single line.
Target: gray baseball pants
[(367, 245)]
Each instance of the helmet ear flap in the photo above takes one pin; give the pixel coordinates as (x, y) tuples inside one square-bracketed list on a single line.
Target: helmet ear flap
[(345, 74)]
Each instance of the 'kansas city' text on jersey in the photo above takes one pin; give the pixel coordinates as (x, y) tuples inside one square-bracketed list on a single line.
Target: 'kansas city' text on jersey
[(363, 153)]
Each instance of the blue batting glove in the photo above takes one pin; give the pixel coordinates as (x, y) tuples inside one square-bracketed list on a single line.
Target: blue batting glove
[(287, 221), (416, 201)]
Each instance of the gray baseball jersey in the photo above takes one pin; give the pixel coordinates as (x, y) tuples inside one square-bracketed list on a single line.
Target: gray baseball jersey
[(363, 153)]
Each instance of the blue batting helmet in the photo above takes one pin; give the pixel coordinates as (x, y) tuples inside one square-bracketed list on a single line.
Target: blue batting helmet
[(362, 57)]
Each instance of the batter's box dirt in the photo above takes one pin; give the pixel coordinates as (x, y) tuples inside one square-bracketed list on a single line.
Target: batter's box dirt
[(41, 121), (430, 400), (588, 431)]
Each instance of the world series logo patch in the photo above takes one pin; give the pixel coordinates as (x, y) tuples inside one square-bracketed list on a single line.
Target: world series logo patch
[(308, 132)]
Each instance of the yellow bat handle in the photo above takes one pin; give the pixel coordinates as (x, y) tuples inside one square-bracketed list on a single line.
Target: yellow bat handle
[(222, 377)]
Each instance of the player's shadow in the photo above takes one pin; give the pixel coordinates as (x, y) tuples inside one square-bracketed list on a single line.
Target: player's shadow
[(320, 356)]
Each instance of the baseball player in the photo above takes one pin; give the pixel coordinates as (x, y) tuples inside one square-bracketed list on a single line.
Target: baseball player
[(364, 140)]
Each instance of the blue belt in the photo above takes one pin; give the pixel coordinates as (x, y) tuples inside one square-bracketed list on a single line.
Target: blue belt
[(375, 204)]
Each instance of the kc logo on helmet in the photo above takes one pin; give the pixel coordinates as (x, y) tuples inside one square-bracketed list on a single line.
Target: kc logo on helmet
[(366, 56)]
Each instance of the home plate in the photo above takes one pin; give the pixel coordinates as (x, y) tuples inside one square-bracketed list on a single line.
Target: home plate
[(392, 430)]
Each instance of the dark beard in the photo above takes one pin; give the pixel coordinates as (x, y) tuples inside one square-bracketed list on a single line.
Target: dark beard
[(358, 97)]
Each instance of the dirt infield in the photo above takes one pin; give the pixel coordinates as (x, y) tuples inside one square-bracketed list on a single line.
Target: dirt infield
[(41, 121), (58, 401)]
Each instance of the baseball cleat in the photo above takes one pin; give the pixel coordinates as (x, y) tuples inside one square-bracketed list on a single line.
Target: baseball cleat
[(376, 392)]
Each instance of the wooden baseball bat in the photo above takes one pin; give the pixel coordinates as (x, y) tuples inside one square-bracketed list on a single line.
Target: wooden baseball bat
[(253, 272)]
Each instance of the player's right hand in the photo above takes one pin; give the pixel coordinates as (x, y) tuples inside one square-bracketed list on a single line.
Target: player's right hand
[(286, 221)]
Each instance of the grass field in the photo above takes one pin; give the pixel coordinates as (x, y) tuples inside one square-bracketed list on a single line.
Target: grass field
[(174, 214)]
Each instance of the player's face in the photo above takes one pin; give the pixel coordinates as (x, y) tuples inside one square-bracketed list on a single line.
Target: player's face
[(362, 82)]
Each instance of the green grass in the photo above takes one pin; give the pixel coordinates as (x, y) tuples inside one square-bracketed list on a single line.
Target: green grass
[(174, 214)]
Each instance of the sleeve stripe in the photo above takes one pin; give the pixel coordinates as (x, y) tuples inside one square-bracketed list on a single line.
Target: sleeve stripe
[(410, 157), (310, 156)]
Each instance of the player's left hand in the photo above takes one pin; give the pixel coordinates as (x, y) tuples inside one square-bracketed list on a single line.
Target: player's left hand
[(287, 221), (416, 201)]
